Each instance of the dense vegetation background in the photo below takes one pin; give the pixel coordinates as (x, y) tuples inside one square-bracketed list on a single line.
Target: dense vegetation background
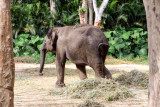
[(123, 22)]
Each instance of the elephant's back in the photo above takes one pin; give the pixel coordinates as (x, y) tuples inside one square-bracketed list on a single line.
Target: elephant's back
[(86, 35), (83, 42)]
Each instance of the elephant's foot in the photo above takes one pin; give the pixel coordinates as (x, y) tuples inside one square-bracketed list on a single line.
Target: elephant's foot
[(40, 74), (108, 76), (107, 73), (60, 85), (82, 78)]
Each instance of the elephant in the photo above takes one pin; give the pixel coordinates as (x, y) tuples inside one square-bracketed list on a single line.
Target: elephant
[(82, 44)]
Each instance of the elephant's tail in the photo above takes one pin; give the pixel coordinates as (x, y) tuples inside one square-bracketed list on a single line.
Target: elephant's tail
[(103, 49)]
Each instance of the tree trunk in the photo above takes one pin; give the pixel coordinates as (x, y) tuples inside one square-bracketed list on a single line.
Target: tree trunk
[(52, 8), (81, 17), (6, 56), (84, 16), (152, 8), (86, 13), (99, 11), (90, 4)]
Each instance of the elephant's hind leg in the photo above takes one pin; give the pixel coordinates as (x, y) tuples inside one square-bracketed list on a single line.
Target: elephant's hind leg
[(82, 71)]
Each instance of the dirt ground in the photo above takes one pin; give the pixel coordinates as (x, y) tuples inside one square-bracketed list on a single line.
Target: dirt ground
[(32, 90)]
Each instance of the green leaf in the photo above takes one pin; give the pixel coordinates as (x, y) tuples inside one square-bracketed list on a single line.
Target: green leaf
[(137, 29), (39, 47), (142, 52), (128, 43), (23, 36), (130, 56), (38, 7), (119, 46), (108, 34), (135, 35), (34, 39), (122, 17), (126, 35), (26, 53), (32, 29), (113, 3), (111, 49), (19, 43), (112, 42)]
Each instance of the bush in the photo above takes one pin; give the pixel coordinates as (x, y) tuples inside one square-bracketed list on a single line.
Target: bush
[(121, 19), (27, 45), (125, 13), (30, 45), (127, 44), (31, 17)]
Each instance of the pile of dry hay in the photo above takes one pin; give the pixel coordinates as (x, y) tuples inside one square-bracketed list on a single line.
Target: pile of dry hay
[(133, 78), (94, 88), (89, 103)]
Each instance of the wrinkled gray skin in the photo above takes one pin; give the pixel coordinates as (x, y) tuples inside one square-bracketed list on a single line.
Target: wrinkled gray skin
[(82, 45)]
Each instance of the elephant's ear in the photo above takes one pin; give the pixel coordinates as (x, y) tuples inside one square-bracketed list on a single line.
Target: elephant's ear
[(54, 38), (49, 33), (103, 49)]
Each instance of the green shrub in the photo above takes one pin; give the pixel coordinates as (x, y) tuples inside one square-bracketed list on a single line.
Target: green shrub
[(26, 45), (121, 18), (125, 13), (127, 44), (31, 17)]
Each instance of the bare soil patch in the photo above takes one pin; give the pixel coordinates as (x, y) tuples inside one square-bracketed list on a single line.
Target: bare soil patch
[(109, 61), (32, 90), (24, 59)]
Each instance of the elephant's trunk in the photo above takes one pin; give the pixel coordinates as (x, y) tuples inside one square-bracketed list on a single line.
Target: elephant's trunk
[(43, 55)]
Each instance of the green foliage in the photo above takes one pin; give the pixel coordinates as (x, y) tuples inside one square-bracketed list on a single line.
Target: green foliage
[(124, 13), (25, 45), (31, 17), (82, 10), (127, 44), (30, 45), (66, 12), (124, 21)]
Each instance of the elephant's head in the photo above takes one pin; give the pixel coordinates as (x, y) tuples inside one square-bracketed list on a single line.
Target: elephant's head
[(49, 45)]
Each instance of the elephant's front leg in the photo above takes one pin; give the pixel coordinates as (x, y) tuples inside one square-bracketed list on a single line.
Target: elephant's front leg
[(60, 66), (82, 71)]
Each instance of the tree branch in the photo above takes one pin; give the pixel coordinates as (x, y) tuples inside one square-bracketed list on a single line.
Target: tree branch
[(103, 6), (95, 6)]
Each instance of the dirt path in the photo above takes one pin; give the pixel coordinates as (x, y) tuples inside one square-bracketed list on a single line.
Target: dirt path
[(32, 90), (120, 67)]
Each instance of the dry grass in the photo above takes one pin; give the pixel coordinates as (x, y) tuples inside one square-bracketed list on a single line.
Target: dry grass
[(89, 103), (30, 88), (133, 78), (93, 89)]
